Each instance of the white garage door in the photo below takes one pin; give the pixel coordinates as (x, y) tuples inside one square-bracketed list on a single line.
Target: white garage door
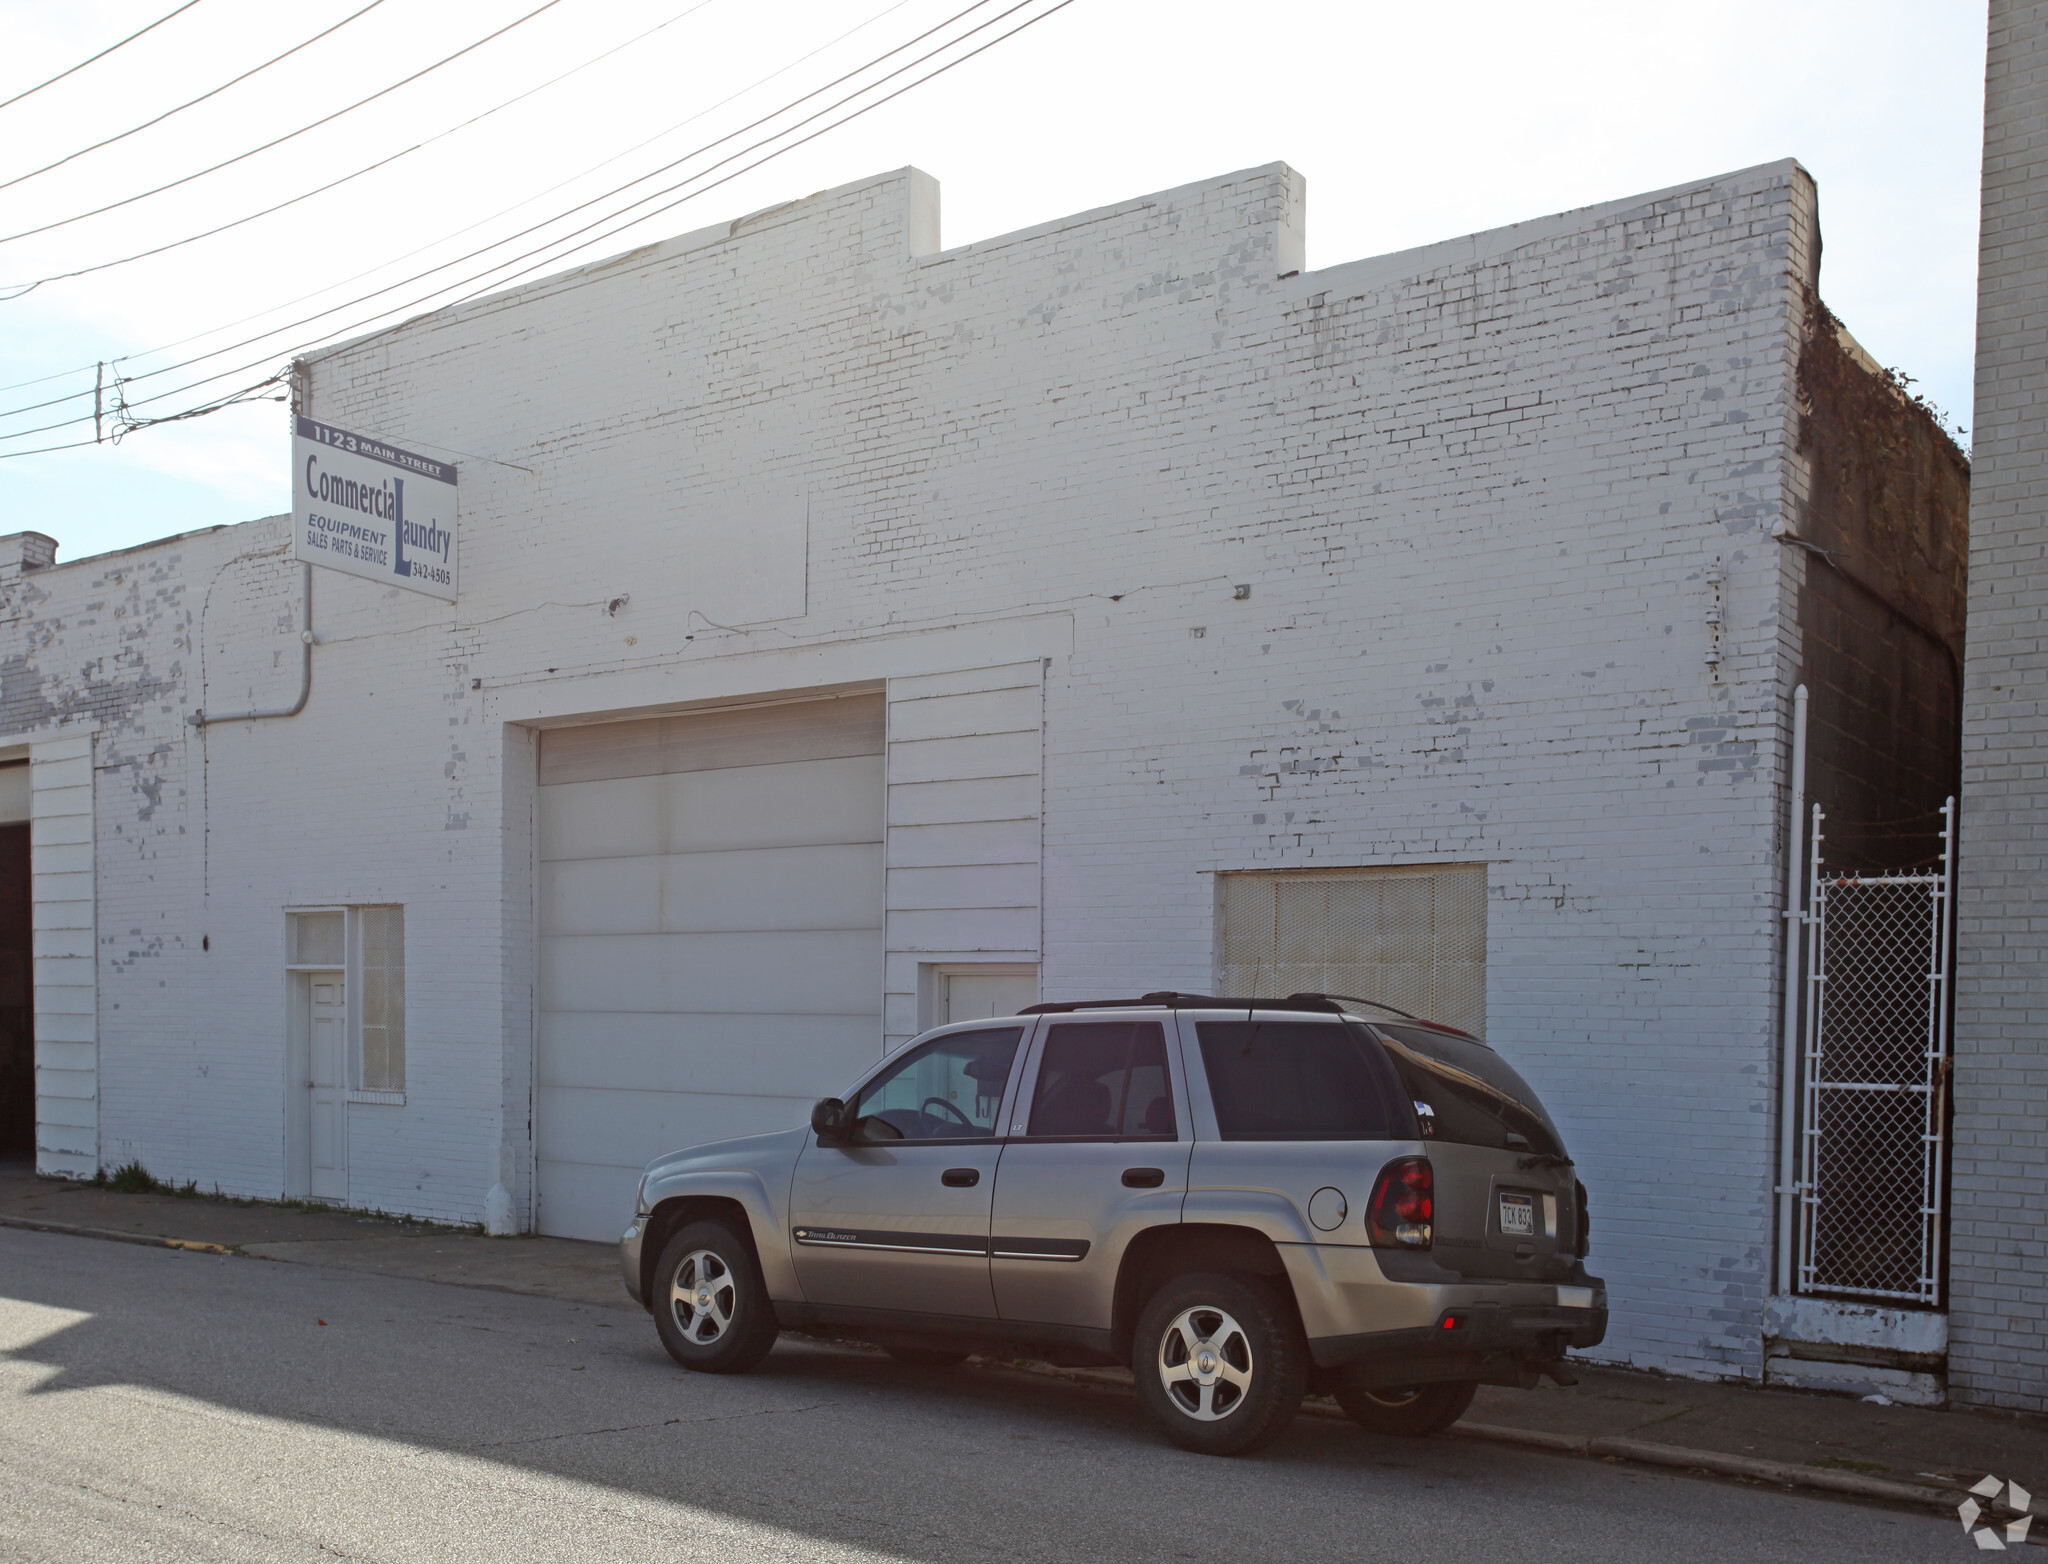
[(710, 936)]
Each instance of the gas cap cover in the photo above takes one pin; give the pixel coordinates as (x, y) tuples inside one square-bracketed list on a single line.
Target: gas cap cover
[(1327, 1208)]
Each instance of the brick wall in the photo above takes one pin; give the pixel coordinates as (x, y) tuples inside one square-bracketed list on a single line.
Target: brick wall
[(1998, 1341)]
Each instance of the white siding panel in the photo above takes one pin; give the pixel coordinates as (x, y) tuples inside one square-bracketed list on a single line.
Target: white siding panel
[(631, 1128), (830, 887), (976, 841), (600, 896), (62, 915), (804, 973), (975, 929), (954, 716), (970, 885), (951, 802), (985, 755), (802, 803), (816, 1055), (611, 818)]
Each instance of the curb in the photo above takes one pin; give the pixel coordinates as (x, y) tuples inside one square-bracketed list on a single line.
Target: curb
[(150, 1240), (1641, 1451)]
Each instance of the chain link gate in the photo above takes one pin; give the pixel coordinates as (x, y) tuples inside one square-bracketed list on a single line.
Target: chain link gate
[(1874, 1099)]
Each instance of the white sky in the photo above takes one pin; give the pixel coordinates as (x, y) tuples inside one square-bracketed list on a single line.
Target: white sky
[(1411, 122)]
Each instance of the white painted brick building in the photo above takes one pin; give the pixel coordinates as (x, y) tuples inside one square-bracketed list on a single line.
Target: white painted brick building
[(1156, 559)]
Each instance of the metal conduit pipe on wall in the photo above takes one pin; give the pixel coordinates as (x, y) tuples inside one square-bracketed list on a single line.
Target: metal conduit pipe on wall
[(204, 719), (1788, 1046)]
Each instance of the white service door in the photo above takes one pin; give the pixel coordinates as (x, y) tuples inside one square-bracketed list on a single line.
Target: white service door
[(327, 1057), (711, 937), (971, 996)]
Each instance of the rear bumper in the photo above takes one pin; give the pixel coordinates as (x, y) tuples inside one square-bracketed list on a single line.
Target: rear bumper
[(1490, 1342), (1355, 1312)]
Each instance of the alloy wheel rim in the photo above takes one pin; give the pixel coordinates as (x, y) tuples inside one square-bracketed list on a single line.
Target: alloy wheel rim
[(1205, 1363), (702, 1297)]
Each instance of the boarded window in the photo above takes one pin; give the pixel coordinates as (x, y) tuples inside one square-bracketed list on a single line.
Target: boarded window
[(383, 1006), (1413, 936)]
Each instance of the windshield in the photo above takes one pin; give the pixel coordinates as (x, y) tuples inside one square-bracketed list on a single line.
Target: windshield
[(1465, 1092)]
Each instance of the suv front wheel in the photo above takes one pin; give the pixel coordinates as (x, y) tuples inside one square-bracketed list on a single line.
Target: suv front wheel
[(1220, 1362), (710, 1305)]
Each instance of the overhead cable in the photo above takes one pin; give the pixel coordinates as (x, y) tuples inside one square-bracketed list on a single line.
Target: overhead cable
[(20, 289), (134, 423), (279, 141), (89, 59), (618, 190), (191, 102)]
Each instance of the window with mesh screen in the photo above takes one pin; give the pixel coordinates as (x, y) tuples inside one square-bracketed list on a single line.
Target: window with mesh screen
[(1412, 936), (383, 998)]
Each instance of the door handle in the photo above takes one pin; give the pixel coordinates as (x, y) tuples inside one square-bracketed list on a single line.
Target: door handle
[(1144, 1178), (960, 1178)]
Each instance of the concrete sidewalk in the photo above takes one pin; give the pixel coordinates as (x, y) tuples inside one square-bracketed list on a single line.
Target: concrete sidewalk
[(1909, 1455)]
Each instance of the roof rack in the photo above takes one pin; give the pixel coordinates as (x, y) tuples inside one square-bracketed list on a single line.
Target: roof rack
[(1320, 1003)]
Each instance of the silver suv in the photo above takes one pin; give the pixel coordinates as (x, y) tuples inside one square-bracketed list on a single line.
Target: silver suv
[(1242, 1200)]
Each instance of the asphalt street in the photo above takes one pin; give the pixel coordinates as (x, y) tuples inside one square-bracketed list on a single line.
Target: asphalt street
[(161, 1405)]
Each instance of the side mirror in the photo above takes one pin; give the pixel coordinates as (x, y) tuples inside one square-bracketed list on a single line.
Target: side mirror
[(828, 1120)]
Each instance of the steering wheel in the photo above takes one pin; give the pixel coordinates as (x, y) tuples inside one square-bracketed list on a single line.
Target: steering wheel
[(966, 1123)]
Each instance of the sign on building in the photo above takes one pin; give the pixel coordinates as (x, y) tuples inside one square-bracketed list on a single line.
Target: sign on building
[(373, 510)]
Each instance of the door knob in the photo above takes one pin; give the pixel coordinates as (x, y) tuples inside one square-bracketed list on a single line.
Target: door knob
[(1144, 1178), (960, 1178)]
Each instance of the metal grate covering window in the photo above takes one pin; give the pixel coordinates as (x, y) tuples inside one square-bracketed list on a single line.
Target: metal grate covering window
[(1413, 936)]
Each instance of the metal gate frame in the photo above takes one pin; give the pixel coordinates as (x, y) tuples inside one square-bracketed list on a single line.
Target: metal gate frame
[(1824, 1101)]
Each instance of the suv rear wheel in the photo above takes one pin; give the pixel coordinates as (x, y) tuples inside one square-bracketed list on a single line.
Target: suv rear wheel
[(1220, 1362), (1412, 1411), (710, 1305)]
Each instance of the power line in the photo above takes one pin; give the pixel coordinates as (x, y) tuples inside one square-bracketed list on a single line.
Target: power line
[(22, 289), (130, 423), (110, 48), (190, 102), (533, 228), (279, 141)]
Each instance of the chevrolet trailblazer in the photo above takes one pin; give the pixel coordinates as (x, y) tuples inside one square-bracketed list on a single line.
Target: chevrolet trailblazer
[(1241, 1199)]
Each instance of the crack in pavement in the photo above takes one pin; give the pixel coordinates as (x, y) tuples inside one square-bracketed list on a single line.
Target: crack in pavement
[(631, 1428)]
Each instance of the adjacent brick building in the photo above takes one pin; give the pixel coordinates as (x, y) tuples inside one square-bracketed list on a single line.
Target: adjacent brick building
[(1999, 1349)]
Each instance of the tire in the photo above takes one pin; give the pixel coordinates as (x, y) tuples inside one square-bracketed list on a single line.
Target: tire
[(711, 1307), (1409, 1411), (1257, 1362), (927, 1357)]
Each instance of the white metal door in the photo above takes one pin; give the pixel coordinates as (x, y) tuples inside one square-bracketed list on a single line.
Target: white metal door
[(327, 1084), (711, 936), (996, 991)]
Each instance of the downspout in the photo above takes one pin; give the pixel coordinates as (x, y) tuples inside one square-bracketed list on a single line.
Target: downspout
[(1788, 1046), (206, 719)]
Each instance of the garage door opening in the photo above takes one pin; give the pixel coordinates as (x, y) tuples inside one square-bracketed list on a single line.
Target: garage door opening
[(711, 941), (17, 1000)]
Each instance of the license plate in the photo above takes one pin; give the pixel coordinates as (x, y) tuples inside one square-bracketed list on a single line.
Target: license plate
[(1518, 1216)]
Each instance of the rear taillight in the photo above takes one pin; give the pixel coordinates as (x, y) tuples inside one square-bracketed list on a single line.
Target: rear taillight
[(1402, 1212), (1583, 1239)]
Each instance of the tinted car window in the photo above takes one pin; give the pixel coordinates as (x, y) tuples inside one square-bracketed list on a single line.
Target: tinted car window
[(1299, 1080), (1104, 1078), (1473, 1096), (950, 1089)]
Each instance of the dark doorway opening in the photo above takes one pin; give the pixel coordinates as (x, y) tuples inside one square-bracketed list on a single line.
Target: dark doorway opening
[(17, 1000)]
